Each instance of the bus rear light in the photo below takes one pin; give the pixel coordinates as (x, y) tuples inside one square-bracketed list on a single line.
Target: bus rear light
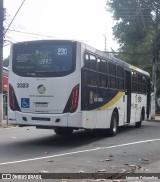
[(72, 103), (12, 99)]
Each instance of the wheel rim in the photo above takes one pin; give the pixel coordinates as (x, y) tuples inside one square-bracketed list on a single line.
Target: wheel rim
[(114, 125)]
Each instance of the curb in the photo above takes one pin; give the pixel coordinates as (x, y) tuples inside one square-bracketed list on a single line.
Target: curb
[(4, 124), (7, 127), (154, 120), (150, 168)]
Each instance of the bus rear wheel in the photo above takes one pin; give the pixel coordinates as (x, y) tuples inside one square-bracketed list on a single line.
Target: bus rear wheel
[(139, 123), (63, 131), (113, 125)]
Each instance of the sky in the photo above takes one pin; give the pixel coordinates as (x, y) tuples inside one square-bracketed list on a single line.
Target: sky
[(83, 20)]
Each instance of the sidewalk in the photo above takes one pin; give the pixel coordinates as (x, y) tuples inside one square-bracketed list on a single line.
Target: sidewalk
[(150, 168), (4, 124), (153, 167), (157, 119)]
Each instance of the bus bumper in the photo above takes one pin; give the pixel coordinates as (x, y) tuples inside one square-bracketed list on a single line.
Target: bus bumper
[(51, 120)]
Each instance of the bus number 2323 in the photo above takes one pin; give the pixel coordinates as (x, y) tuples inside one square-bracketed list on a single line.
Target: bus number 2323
[(22, 85)]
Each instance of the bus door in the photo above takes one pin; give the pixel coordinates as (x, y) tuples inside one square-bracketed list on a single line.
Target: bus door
[(128, 94)]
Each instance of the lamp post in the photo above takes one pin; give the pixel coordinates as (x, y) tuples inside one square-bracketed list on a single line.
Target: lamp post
[(105, 43)]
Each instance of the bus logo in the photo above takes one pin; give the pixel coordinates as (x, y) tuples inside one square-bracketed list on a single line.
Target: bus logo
[(25, 103), (41, 89)]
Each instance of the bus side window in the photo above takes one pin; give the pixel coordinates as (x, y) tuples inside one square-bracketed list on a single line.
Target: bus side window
[(134, 81), (102, 73), (139, 83), (87, 61), (90, 70), (93, 63), (93, 70), (112, 76), (102, 66), (120, 77), (144, 84)]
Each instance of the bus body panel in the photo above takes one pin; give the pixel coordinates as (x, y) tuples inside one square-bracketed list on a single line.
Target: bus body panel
[(91, 119), (103, 118), (30, 119), (75, 120), (138, 102), (100, 118), (53, 100)]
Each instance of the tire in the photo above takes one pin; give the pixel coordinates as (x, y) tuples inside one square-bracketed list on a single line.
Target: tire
[(63, 131), (139, 123), (113, 125)]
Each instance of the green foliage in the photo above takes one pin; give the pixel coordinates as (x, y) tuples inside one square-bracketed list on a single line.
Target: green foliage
[(128, 14), (137, 31), (6, 62), (158, 81)]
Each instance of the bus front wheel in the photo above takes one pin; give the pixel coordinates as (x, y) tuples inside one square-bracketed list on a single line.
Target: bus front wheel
[(113, 125), (63, 131)]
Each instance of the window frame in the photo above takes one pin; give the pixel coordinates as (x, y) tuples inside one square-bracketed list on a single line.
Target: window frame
[(112, 76)]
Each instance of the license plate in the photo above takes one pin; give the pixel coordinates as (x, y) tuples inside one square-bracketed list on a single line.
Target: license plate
[(41, 104)]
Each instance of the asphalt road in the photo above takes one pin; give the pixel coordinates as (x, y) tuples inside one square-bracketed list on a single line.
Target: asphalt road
[(30, 150)]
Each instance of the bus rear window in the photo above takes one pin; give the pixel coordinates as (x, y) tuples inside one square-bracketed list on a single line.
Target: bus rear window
[(42, 59)]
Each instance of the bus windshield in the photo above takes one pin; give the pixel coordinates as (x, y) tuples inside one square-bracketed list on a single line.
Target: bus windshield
[(43, 59)]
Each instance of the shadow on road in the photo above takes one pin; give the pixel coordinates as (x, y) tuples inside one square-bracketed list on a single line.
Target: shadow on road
[(77, 139)]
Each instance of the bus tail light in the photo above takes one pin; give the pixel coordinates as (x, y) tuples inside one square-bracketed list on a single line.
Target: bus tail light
[(72, 103), (75, 96), (12, 99)]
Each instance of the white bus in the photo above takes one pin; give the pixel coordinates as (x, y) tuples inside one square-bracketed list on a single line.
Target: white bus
[(68, 85)]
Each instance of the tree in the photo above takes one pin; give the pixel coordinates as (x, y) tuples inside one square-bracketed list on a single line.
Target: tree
[(138, 32), (6, 62)]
